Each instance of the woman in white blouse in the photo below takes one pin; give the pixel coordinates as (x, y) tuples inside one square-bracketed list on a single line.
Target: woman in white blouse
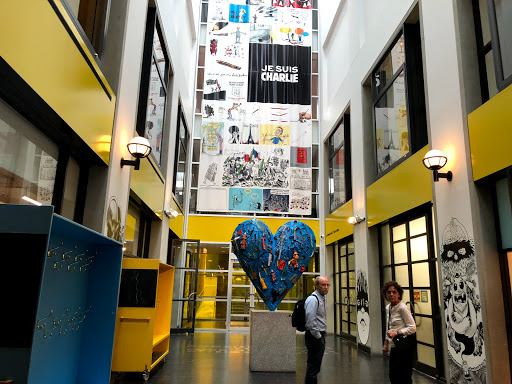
[(399, 321)]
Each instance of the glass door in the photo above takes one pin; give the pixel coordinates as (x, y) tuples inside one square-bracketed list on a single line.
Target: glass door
[(184, 258), (408, 257), (345, 295), (241, 297)]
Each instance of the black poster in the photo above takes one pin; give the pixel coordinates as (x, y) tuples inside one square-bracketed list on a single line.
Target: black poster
[(279, 74)]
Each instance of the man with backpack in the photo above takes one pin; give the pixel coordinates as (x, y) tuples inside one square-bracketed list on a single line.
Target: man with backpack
[(316, 325)]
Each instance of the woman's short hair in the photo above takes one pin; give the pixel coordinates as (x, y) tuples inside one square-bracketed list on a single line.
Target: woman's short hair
[(394, 284)]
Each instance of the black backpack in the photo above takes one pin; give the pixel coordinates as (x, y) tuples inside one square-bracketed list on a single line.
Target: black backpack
[(299, 315)]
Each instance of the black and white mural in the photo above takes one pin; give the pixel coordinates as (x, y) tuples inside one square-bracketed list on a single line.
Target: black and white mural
[(463, 312), (363, 309)]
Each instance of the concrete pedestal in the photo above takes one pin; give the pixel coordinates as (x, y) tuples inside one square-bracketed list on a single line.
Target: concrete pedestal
[(272, 342)]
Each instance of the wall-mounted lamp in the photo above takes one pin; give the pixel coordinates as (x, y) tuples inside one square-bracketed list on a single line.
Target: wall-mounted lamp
[(435, 160), (139, 148), (171, 213), (355, 220)]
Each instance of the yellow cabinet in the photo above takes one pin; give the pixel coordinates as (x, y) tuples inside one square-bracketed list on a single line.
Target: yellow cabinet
[(143, 321)]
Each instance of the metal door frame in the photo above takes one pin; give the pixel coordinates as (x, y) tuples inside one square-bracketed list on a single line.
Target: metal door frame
[(252, 292), (191, 299), (422, 211)]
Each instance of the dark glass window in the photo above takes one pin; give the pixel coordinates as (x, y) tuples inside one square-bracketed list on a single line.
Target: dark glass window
[(180, 165), (399, 101), (153, 94), (493, 26), (91, 19), (339, 164)]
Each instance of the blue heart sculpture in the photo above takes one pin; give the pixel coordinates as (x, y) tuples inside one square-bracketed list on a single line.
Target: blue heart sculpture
[(274, 263)]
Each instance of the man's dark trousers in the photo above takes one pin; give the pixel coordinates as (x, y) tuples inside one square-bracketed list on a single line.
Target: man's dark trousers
[(316, 348)]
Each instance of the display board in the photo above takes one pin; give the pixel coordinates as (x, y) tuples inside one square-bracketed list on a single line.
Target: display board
[(256, 133)]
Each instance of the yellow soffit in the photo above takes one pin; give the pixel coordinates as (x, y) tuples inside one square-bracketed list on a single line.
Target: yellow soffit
[(176, 224), (405, 187), (220, 229), (133, 263), (336, 224), (58, 66), (490, 135), (148, 185)]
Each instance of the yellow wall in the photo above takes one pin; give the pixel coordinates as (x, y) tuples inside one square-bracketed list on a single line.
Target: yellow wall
[(336, 224), (490, 135), (407, 186), (148, 185), (220, 229), (36, 44)]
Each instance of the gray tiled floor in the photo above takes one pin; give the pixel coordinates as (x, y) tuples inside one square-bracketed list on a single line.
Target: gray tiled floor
[(207, 358)]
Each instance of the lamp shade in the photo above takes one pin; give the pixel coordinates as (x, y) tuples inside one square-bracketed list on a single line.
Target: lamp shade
[(139, 147), (435, 160)]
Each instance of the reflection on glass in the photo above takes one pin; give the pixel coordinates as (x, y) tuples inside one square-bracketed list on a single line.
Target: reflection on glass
[(28, 161), (419, 248), (503, 17), (484, 21), (400, 251), (344, 326), (240, 292), (391, 64), (491, 75), (402, 275), (155, 113), (391, 130), (337, 179), (212, 285), (211, 314), (160, 56), (424, 330), (417, 226), (426, 355), (70, 189), (420, 275)]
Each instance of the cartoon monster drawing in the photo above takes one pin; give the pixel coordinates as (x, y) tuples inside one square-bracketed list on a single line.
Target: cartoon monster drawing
[(462, 304)]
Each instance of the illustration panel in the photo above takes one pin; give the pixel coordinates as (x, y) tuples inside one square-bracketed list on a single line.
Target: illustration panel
[(275, 200), (300, 203), (245, 199), (271, 134), (462, 306), (249, 168), (300, 157)]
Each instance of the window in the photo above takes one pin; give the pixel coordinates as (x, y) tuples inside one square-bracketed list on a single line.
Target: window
[(340, 190), (399, 101), (493, 27), (34, 169), (91, 18), (180, 163), (138, 230), (153, 93)]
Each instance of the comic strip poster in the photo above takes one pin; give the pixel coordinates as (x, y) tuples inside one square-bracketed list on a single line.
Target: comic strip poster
[(256, 132)]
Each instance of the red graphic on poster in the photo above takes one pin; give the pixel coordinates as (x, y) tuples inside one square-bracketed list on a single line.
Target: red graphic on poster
[(340, 157), (302, 155)]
